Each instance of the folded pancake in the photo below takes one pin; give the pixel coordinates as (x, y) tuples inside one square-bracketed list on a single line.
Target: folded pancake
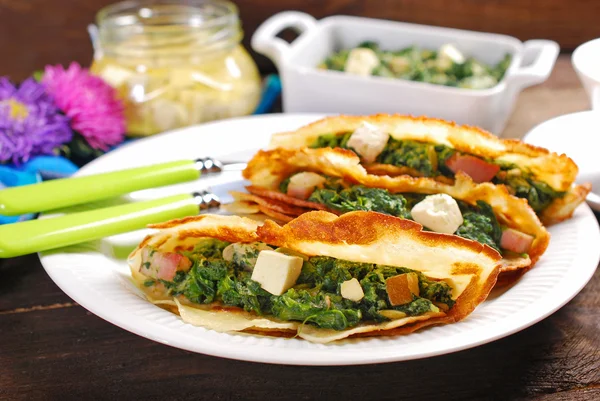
[(334, 179), (425, 147), (316, 277)]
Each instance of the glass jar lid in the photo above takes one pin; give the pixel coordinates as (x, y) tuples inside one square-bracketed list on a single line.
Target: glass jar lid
[(168, 28)]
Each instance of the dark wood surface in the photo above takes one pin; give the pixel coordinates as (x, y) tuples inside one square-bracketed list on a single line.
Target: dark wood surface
[(52, 348), (34, 33)]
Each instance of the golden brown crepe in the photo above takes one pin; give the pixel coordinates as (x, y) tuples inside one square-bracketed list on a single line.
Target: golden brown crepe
[(469, 267), (268, 168), (558, 171)]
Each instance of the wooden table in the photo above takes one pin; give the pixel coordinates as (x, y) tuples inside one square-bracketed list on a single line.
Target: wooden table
[(52, 348)]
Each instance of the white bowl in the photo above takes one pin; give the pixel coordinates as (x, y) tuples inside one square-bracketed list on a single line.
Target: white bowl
[(308, 89), (586, 61), (578, 136)]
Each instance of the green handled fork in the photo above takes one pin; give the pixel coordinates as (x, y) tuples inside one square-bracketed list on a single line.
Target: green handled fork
[(43, 234), (65, 192)]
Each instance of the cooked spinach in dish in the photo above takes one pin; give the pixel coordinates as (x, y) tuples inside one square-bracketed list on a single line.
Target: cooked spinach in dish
[(315, 299), (444, 66)]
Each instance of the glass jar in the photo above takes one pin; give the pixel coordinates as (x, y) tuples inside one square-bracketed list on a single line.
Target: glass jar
[(175, 63)]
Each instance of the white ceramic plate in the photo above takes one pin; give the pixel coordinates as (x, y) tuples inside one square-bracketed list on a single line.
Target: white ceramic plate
[(578, 136), (96, 276)]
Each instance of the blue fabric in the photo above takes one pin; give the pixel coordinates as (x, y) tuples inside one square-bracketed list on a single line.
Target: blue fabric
[(32, 172), (270, 93), (51, 167)]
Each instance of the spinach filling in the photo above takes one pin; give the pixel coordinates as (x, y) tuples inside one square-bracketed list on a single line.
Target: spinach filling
[(480, 223), (429, 160), (332, 141), (426, 159), (283, 185), (315, 299), (539, 195), (412, 154), (359, 197)]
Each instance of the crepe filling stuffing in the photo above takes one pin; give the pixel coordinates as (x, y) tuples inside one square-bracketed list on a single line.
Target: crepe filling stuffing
[(316, 297), (480, 223), (430, 160)]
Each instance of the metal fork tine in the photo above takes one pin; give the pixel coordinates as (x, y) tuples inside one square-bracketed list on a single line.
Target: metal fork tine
[(206, 200)]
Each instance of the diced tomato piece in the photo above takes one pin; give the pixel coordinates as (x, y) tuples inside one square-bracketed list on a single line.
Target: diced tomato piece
[(169, 263), (516, 241), (401, 288), (302, 185), (478, 169), (163, 265)]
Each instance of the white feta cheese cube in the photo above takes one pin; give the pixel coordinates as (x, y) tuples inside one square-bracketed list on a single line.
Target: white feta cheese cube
[(449, 51), (276, 272), (352, 290), (478, 82), (443, 64), (368, 141), (302, 185), (478, 69), (439, 213), (400, 64), (361, 61)]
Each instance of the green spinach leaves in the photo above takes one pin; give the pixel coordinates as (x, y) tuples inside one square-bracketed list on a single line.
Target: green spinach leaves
[(359, 197), (316, 298), (429, 160), (480, 223)]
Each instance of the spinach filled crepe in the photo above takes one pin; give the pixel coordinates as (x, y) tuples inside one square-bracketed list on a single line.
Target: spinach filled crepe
[(333, 179), (424, 147), (319, 277)]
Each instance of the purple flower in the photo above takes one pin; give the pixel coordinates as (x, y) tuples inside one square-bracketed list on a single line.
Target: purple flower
[(30, 122), (91, 104)]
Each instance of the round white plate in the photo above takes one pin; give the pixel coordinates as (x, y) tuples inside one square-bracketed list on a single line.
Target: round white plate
[(578, 136), (96, 275)]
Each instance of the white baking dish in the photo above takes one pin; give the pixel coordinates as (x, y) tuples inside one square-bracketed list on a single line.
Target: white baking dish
[(308, 89)]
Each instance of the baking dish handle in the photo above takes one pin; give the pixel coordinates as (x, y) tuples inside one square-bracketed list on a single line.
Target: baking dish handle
[(544, 53), (265, 40)]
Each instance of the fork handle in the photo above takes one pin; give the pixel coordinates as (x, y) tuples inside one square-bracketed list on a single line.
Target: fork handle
[(65, 192), (40, 235)]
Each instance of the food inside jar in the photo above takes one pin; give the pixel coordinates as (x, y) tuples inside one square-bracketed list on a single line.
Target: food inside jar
[(318, 295), (167, 91), (444, 66)]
